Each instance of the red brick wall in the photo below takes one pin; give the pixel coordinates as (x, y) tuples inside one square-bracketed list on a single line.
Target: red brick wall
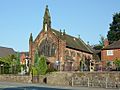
[(22, 58), (116, 54), (106, 42)]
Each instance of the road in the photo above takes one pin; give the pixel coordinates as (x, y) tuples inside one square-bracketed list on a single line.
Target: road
[(23, 86)]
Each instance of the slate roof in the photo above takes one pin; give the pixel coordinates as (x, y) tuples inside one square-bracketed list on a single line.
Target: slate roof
[(114, 45), (73, 42), (96, 53), (4, 51)]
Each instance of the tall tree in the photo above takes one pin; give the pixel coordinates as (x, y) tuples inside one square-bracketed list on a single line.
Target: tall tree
[(101, 43), (18, 58), (114, 32), (36, 58), (42, 67)]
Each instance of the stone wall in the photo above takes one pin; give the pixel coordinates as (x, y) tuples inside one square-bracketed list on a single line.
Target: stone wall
[(84, 79), (16, 78), (97, 79), (56, 79)]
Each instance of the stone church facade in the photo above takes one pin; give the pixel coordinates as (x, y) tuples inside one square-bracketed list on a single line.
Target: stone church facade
[(61, 50)]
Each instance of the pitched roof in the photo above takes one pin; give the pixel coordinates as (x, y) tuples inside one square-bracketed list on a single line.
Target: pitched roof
[(4, 51), (96, 53), (114, 45), (73, 42), (26, 53)]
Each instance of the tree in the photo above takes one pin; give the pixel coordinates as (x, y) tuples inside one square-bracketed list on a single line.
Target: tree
[(42, 67), (36, 63), (34, 71), (10, 64), (97, 47), (117, 63), (114, 30), (101, 43), (18, 58), (36, 59)]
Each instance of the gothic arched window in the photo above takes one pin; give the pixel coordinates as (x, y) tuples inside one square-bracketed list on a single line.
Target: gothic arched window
[(47, 48)]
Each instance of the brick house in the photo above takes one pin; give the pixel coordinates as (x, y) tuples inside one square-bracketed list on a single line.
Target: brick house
[(23, 56), (110, 52), (24, 62), (69, 52)]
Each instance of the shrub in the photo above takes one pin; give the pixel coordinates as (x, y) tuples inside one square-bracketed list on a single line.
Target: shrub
[(117, 63), (42, 66), (34, 71)]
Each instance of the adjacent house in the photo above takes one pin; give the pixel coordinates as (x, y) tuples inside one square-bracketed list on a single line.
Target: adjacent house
[(24, 62), (5, 51), (110, 52)]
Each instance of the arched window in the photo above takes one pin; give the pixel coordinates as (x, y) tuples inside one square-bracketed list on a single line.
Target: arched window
[(67, 52), (47, 48)]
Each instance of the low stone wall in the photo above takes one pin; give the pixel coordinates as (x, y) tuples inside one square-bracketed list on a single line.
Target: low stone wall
[(59, 78), (16, 78), (84, 79), (97, 79), (56, 79)]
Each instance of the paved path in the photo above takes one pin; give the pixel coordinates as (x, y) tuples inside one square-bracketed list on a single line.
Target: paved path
[(23, 86)]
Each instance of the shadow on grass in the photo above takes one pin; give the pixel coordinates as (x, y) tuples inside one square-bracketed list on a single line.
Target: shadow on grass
[(31, 88)]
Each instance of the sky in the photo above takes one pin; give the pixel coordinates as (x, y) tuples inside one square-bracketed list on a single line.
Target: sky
[(87, 18)]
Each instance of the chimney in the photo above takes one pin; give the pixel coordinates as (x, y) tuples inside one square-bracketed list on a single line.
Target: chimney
[(64, 32), (106, 42), (78, 36), (60, 33)]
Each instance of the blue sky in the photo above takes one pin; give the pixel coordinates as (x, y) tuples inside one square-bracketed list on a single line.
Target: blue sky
[(87, 18)]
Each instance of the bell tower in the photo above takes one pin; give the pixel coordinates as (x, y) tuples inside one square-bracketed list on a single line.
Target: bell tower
[(46, 20)]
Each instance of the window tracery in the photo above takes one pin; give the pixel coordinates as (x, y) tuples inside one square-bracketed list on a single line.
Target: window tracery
[(47, 48)]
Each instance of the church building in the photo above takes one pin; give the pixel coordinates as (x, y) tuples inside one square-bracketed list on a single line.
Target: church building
[(62, 51)]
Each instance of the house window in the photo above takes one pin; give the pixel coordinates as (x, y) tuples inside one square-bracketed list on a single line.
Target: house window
[(72, 53), (109, 52)]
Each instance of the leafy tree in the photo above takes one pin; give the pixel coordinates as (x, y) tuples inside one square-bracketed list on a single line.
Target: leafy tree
[(39, 64), (42, 67), (10, 64), (108, 65), (34, 71), (114, 30), (101, 43), (97, 47), (117, 63), (18, 58)]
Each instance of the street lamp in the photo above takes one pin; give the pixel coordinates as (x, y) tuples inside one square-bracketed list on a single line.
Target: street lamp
[(57, 64), (14, 66), (1, 68)]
